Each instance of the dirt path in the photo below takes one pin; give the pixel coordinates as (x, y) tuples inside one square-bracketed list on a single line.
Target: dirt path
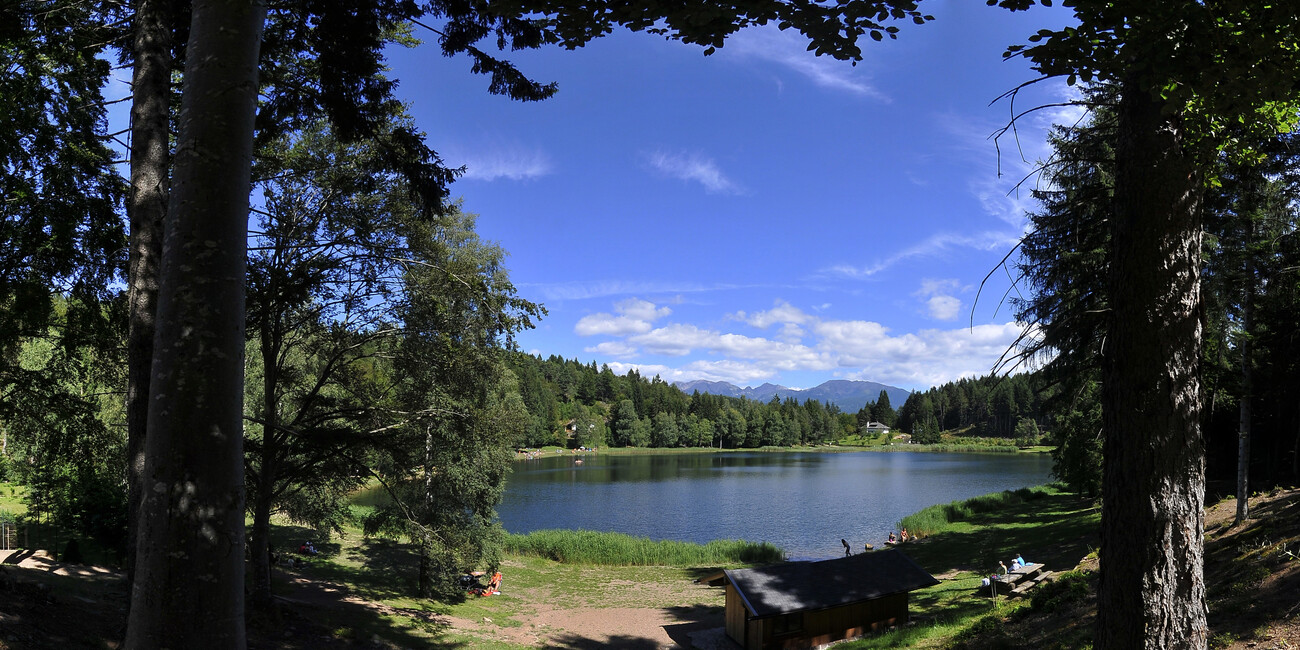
[(548, 625)]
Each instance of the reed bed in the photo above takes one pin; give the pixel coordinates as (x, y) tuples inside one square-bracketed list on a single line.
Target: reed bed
[(617, 549), (940, 518)]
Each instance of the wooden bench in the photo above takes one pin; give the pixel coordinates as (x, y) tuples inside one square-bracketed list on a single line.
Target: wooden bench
[(1019, 581), (1031, 583)]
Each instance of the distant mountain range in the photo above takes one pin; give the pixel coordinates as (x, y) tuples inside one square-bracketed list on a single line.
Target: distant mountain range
[(848, 395)]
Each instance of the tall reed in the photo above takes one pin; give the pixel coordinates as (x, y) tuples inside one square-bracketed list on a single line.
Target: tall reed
[(617, 549)]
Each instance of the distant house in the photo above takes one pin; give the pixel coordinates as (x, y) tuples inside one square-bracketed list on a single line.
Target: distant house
[(807, 604), (876, 428)]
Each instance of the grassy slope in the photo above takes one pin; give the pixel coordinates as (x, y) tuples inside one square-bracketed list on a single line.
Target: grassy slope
[(1053, 528)]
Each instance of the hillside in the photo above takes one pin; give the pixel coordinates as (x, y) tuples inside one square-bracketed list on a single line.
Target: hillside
[(849, 395), (1252, 577)]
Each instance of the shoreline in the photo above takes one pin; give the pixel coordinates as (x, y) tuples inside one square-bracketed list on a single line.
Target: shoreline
[(552, 451)]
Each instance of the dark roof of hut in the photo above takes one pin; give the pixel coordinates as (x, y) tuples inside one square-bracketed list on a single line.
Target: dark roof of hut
[(803, 586)]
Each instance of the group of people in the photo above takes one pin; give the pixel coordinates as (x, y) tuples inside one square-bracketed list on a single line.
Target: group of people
[(470, 581), (1017, 563), (903, 537)]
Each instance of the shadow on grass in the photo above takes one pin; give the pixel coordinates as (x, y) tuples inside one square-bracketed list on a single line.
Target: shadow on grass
[(1057, 530), (623, 641), (376, 569), (693, 619)]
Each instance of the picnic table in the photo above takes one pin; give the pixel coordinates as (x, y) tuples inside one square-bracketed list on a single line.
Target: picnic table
[(1021, 580)]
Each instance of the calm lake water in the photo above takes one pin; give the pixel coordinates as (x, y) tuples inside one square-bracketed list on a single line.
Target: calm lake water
[(804, 502)]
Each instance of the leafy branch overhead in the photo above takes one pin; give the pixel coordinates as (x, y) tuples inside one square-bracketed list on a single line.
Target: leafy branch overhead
[(1230, 66)]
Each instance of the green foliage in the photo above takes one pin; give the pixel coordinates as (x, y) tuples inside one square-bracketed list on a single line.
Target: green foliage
[(989, 406), (1066, 589), (553, 389), (1077, 458), (616, 549), (62, 234), (1027, 434), (59, 416)]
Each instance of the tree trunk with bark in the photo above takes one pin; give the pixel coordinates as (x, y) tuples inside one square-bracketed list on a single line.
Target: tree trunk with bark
[(189, 581), (146, 205), (1152, 592), (267, 469)]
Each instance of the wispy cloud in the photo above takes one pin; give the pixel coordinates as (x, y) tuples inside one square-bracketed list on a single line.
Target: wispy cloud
[(587, 290), (696, 168), (932, 246), (511, 163), (789, 51)]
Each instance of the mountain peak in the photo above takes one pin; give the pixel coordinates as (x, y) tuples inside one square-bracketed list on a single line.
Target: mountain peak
[(850, 395)]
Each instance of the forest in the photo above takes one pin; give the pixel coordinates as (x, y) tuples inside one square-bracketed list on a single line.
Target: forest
[(178, 359)]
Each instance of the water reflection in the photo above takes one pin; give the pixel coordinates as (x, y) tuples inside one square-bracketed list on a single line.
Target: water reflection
[(804, 502)]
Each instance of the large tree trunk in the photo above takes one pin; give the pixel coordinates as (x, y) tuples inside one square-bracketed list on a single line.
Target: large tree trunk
[(189, 580), (146, 205), (1152, 591)]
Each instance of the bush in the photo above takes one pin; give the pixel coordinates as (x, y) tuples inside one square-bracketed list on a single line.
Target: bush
[(1070, 588)]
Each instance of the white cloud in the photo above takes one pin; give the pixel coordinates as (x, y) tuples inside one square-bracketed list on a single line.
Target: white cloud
[(511, 163), (853, 349), (735, 372), (944, 307), (783, 312), (615, 349), (791, 333), (789, 51), (694, 167), (641, 309), (635, 317), (939, 301), (609, 324)]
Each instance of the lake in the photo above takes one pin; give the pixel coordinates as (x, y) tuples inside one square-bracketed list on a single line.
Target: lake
[(804, 502)]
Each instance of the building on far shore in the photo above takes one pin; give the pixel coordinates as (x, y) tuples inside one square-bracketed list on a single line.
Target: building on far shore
[(875, 428), (807, 604)]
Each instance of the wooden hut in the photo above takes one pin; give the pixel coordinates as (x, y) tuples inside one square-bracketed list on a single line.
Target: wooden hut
[(807, 604)]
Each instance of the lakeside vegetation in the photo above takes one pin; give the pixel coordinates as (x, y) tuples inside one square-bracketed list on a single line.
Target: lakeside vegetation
[(617, 549)]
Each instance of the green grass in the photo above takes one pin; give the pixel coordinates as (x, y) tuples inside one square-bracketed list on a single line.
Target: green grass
[(11, 498), (1045, 524), (616, 549), (943, 517)]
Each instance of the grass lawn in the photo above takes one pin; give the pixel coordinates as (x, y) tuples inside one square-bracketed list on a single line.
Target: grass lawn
[(11, 499), (1051, 528)]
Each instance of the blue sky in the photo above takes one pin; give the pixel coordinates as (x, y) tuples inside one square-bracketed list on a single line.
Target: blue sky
[(760, 214)]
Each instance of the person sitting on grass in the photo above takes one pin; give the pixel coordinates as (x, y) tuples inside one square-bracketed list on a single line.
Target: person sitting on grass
[(903, 536), (892, 539)]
